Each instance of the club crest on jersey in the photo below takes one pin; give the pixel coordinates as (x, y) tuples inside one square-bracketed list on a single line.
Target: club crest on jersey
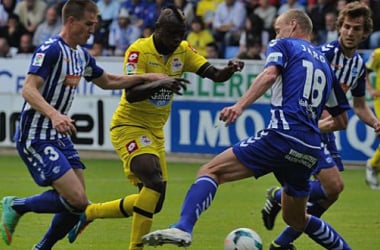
[(133, 57), (130, 68), (176, 64), (145, 140), (131, 146), (38, 59)]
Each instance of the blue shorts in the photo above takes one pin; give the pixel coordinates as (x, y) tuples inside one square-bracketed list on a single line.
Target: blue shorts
[(331, 156), (47, 161), (291, 157)]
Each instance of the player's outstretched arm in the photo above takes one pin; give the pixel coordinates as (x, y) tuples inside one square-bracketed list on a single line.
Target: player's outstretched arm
[(223, 74), (144, 91)]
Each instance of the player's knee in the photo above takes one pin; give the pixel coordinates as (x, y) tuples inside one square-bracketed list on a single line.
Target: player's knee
[(76, 204), (334, 190)]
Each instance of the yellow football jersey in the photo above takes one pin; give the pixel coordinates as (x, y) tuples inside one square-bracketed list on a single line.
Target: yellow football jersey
[(373, 64), (142, 57)]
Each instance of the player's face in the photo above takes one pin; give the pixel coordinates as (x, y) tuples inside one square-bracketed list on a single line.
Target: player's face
[(283, 28), (172, 36), (82, 29), (352, 32)]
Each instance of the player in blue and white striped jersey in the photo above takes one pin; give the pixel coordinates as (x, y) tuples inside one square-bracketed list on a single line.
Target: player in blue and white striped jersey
[(301, 81), (354, 24), (43, 134)]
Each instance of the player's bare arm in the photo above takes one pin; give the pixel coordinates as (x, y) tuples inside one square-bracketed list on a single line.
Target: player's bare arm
[(113, 81), (222, 75), (260, 85), (144, 91)]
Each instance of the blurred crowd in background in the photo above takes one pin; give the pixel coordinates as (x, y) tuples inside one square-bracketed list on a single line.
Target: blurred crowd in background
[(215, 28)]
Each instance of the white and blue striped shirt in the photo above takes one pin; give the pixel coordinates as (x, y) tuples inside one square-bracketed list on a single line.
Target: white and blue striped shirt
[(62, 68)]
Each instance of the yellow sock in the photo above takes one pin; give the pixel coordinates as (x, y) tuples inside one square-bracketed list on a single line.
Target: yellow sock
[(143, 216), (374, 161), (111, 209)]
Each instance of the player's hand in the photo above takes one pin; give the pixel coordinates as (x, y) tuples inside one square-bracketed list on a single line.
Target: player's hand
[(175, 84), (63, 124), (236, 65), (376, 127), (230, 114)]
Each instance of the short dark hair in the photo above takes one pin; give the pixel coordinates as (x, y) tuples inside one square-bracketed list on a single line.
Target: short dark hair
[(77, 8)]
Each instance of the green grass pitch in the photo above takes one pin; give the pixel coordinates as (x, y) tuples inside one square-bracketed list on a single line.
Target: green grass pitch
[(356, 215)]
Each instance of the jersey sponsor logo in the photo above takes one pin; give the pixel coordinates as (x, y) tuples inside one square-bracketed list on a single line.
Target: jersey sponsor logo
[(161, 97), (145, 140), (133, 57), (177, 64), (38, 59), (131, 146), (71, 80), (130, 68), (274, 57)]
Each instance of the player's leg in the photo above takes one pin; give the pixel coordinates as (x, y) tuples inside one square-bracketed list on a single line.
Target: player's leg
[(224, 167), (373, 164), (68, 195), (147, 168), (293, 210)]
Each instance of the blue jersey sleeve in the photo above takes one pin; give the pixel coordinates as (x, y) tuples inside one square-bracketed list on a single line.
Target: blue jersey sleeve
[(359, 89), (275, 54), (92, 70), (44, 59)]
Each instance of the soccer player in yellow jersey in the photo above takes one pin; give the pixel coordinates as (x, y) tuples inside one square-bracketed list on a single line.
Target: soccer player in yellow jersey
[(137, 125), (373, 164)]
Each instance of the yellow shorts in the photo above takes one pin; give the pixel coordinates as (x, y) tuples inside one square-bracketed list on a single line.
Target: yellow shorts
[(131, 141)]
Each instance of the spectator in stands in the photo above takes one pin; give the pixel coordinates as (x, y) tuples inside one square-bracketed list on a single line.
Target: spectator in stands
[(212, 50), (5, 49), (330, 33), (374, 38), (138, 10), (267, 13), (100, 35), (97, 49), (153, 11), (228, 23), (122, 33), (187, 8), (6, 8), (26, 44), (290, 4), (31, 13), (13, 31), (198, 36), (50, 27), (206, 9), (253, 31), (147, 31), (109, 10), (317, 15), (253, 51)]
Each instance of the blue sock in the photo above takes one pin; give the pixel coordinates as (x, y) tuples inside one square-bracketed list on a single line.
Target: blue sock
[(287, 236), (197, 200), (61, 224), (277, 195), (46, 202), (325, 235), (316, 191)]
